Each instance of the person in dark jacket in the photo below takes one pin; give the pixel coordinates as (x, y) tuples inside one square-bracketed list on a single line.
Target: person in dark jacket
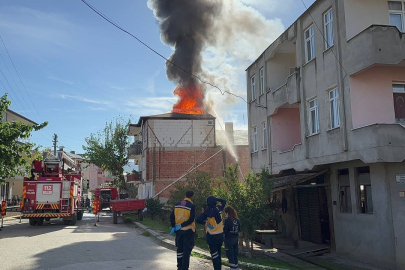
[(212, 220), (183, 223), (231, 231)]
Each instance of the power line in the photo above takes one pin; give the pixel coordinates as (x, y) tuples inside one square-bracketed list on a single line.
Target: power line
[(157, 53), (26, 92), (324, 38), (15, 69)]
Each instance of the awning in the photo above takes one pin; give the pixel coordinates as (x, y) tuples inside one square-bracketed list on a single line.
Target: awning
[(284, 182)]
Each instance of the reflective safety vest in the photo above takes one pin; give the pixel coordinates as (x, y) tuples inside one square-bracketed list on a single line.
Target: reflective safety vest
[(218, 228), (182, 212)]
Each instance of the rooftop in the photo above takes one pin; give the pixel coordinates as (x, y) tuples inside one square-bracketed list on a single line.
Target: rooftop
[(241, 137), (15, 117), (174, 116)]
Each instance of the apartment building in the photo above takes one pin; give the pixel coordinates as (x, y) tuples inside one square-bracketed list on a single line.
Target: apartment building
[(326, 116), (167, 146)]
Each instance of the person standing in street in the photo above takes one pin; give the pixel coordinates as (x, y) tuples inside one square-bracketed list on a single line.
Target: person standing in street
[(212, 220), (231, 231), (182, 220)]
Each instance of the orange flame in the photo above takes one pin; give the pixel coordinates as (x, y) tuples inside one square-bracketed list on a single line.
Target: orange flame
[(191, 100)]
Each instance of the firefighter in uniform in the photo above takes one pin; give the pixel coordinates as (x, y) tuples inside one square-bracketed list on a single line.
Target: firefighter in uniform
[(183, 223), (211, 218)]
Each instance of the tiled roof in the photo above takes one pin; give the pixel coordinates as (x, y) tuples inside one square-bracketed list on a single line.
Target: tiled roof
[(241, 137)]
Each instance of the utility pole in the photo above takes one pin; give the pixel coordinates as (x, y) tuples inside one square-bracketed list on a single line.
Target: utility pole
[(55, 141)]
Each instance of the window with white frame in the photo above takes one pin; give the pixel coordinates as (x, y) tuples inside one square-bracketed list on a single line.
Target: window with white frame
[(313, 117), (334, 108), (397, 14), (309, 44), (261, 81), (264, 135), (328, 28), (253, 87), (255, 140)]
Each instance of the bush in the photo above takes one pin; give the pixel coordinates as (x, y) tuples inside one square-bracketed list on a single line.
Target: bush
[(128, 220), (154, 207), (199, 182)]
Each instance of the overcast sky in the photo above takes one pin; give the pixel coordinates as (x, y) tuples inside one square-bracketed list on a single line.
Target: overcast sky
[(79, 71)]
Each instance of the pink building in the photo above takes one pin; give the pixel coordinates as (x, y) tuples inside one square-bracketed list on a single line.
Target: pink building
[(97, 177)]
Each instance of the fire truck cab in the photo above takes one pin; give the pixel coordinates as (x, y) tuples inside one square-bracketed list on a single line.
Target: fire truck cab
[(51, 193)]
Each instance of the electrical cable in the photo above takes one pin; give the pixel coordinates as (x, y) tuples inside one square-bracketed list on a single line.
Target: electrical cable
[(223, 92)]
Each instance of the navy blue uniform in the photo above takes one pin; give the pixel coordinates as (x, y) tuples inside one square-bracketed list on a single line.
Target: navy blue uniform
[(231, 231), (184, 214), (215, 234)]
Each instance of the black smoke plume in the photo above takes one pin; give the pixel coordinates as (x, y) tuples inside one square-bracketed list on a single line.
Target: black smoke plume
[(187, 26)]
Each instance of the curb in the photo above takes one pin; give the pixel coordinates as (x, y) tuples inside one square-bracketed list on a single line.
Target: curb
[(170, 244)]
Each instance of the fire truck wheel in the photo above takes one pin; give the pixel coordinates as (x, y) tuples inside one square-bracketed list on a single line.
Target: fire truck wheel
[(48, 219), (79, 215), (66, 222), (115, 217), (73, 222), (33, 222), (40, 222)]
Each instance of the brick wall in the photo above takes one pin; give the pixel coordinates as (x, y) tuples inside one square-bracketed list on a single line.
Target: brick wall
[(172, 163)]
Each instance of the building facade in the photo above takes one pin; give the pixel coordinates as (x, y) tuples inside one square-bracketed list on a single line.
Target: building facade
[(167, 146), (326, 115)]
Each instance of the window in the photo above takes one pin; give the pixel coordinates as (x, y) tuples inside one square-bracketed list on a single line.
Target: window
[(328, 28), (261, 81), (264, 135), (399, 102), (309, 44), (253, 87), (364, 190), (334, 108), (397, 14), (313, 117), (345, 201), (255, 141)]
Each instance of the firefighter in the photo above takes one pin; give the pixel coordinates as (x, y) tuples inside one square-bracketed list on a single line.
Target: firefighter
[(182, 220), (212, 220)]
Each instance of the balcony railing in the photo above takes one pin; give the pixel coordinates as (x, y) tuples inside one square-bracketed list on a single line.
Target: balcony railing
[(378, 44), (135, 149), (287, 93)]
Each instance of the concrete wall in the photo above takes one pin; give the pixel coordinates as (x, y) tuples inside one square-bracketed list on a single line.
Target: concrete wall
[(285, 129), (360, 15), (278, 69), (365, 237), (181, 133), (372, 95)]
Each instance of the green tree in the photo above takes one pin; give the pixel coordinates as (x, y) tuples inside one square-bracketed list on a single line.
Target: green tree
[(15, 157), (250, 197), (199, 182), (108, 149)]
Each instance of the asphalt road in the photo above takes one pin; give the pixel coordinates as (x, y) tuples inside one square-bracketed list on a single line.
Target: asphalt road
[(83, 246)]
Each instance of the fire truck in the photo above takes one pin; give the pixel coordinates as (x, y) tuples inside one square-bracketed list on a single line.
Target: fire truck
[(51, 192), (105, 195)]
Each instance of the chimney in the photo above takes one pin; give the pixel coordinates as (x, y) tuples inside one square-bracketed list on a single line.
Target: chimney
[(229, 132)]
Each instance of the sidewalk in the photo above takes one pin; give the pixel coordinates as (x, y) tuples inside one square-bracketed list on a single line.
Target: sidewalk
[(168, 242)]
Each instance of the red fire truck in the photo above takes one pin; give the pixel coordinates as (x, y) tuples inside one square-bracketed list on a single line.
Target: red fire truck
[(51, 193), (105, 195)]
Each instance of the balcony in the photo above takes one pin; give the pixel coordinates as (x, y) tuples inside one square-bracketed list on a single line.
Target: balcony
[(288, 159), (379, 143), (376, 45), (135, 149), (288, 93)]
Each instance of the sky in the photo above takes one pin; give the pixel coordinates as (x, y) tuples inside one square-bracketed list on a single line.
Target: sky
[(78, 72)]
